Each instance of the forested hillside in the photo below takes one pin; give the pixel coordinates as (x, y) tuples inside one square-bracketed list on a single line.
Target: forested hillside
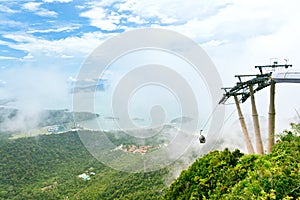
[(47, 167), (232, 175)]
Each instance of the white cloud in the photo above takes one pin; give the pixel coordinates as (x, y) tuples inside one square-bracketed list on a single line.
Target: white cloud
[(29, 56), (6, 9), (169, 11), (214, 43), (136, 19), (236, 34), (2, 82), (62, 48), (36, 9), (46, 13), (72, 79), (56, 30), (255, 32), (32, 6), (80, 7), (66, 56), (59, 1), (7, 58), (101, 19), (34, 89), (142, 11), (234, 22), (213, 24), (10, 23)]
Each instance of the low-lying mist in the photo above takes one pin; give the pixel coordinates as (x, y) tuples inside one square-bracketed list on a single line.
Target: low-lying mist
[(30, 91)]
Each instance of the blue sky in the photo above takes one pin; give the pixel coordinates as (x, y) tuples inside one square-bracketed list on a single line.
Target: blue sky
[(69, 30), (43, 43)]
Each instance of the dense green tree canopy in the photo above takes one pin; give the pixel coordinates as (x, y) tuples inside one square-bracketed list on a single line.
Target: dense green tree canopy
[(232, 175), (47, 167)]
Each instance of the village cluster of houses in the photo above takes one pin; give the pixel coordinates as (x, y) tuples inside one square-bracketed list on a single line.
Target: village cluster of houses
[(133, 148)]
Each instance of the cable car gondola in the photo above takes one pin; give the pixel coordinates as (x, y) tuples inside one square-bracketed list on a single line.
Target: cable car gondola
[(202, 138)]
